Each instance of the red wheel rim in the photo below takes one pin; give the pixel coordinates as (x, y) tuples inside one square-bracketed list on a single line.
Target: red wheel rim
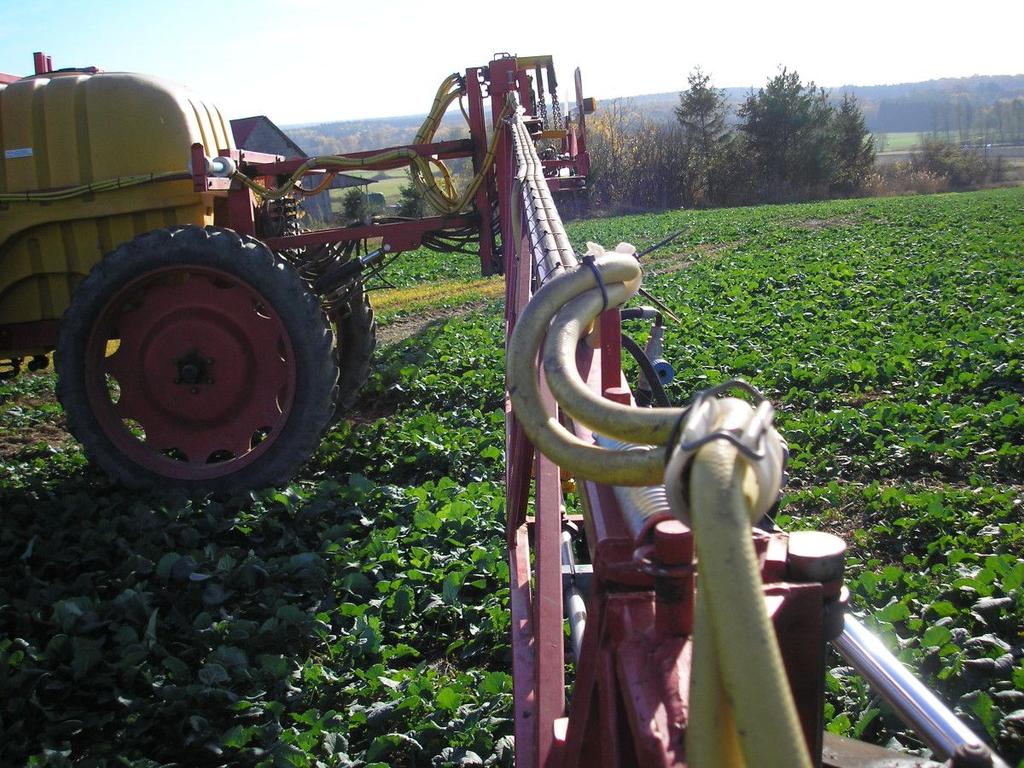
[(200, 378)]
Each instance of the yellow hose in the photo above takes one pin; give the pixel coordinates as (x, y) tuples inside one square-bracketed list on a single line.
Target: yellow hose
[(107, 185), (443, 197), (737, 665), (742, 712), (638, 466)]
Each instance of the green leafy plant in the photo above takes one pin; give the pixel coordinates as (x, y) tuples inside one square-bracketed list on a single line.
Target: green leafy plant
[(360, 615)]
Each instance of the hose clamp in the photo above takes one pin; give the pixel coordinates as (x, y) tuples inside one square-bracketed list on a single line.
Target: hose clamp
[(748, 429)]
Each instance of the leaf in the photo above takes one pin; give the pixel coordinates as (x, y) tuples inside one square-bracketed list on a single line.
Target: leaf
[(983, 707), (450, 588), (67, 612), (86, 653), (448, 699), (944, 608), (230, 656), (893, 612), (150, 635), (935, 636), (164, 565), (1018, 677), (212, 673), (495, 682), (291, 614), (237, 737), (839, 725), (864, 720), (180, 671)]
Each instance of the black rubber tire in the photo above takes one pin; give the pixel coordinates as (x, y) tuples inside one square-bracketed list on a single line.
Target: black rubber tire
[(356, 330), (249, 260)]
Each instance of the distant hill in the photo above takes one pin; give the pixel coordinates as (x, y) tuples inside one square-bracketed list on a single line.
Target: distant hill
[(373, 133), (903, 107), (949, 104)]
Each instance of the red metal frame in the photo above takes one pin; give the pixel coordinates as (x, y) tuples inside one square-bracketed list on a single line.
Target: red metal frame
[(629, 700), (501, 76)]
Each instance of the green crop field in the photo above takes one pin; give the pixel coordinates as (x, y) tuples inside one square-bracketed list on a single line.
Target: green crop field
[(358, 617), (898, 142), (387, 183)]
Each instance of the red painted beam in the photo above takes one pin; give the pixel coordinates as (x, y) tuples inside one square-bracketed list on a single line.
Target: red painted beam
[(523, 650), (548, 626), (486, 192)]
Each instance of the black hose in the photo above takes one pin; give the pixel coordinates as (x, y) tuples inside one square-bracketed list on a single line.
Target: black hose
[(658, 396)]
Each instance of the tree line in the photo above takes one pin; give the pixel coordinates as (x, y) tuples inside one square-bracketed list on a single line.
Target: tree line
[(788, 141)]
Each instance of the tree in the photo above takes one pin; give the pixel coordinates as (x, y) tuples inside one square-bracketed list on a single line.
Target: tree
[(787, 125), (354, 205), (412, 204), (701, 113), (853, 148)]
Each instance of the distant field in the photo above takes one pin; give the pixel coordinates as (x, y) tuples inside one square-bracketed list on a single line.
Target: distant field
[(897, 142), (387, 183)]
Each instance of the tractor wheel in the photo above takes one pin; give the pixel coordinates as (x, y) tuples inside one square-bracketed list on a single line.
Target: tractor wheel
[(357, 339), (196, 358), (354, 326)]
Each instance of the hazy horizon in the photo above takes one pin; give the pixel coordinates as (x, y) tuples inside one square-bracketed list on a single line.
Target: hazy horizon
[(316, 61)]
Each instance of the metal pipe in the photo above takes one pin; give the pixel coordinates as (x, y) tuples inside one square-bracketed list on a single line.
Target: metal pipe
[(937, 726), (575, 605)]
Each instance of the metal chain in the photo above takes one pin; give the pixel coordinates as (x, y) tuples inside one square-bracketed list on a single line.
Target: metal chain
[(556, 110), (542, 104)]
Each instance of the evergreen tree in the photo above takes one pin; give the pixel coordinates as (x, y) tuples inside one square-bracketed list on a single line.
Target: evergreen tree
[(787, 125), (412, 204), (354, 205), (853, 148), (702, 113)]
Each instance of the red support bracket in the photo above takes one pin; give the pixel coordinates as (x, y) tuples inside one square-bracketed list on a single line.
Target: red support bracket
[(43, 63)]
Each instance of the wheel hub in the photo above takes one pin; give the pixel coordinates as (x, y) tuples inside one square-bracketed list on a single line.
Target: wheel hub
[(193, 369)]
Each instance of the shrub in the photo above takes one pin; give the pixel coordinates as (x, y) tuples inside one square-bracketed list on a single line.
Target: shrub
[(964, 167)]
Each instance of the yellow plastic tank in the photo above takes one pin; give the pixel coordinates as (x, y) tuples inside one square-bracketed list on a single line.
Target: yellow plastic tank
[(68, 129)]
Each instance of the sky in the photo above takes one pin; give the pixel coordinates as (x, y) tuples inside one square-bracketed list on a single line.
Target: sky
[(310, 61)]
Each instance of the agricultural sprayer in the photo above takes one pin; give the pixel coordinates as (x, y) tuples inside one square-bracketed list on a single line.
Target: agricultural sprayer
[(203, 340)]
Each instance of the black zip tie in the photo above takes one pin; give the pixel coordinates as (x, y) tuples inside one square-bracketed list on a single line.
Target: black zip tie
[(590, 262), (677, 432)]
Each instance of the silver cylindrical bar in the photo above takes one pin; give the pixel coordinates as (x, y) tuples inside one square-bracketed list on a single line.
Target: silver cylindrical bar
[(937, 726), (575, 605), (576, 613)]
